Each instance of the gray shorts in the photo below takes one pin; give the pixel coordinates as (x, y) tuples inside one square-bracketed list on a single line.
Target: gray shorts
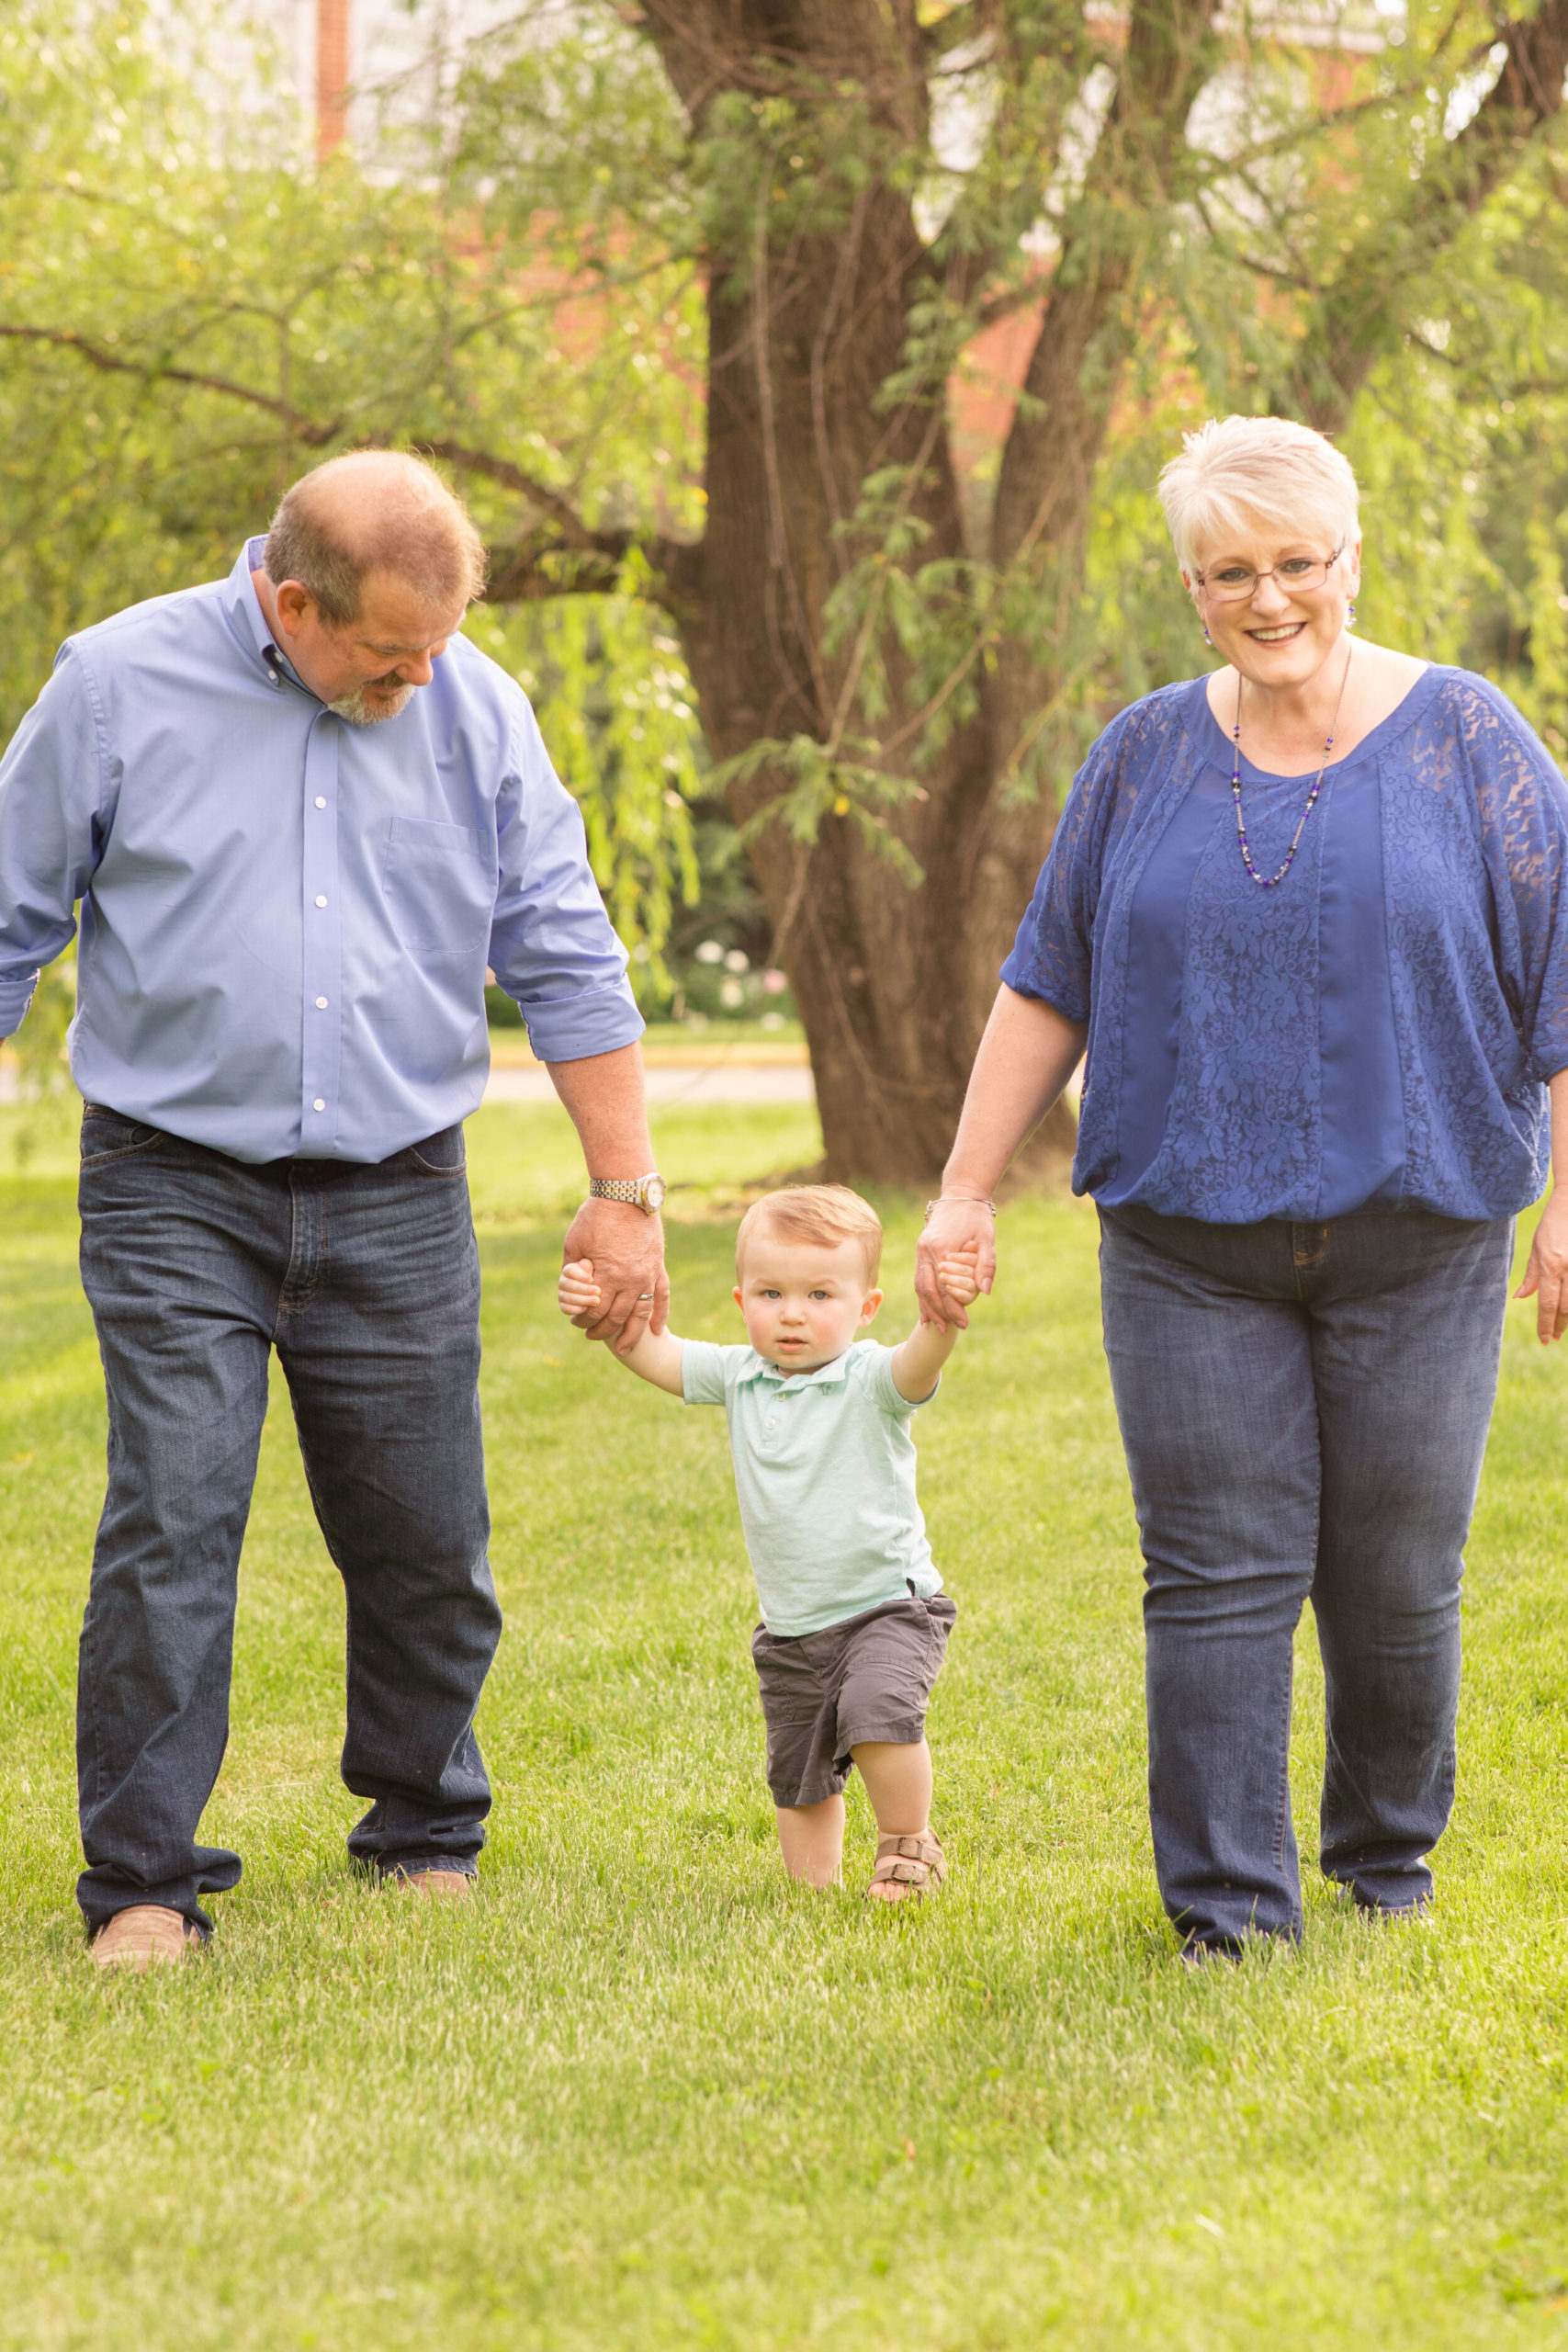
[(823, 1693)]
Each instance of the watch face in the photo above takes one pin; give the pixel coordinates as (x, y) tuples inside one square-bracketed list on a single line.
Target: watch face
[(653, 1192)]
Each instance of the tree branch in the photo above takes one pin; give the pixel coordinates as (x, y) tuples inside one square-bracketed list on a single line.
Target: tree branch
[(1361, 315), (541, 566), (575, 532), (314, 434), (1057, 427), (575, 560)]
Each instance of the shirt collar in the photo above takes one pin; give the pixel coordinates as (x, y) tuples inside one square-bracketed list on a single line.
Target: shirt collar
[(248, 621), (830, 1375)]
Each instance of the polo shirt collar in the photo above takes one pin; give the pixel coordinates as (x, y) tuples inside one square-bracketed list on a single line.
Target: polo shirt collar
[(826, 1375)]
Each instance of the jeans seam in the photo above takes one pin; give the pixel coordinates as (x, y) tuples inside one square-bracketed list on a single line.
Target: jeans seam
[(125, 1151), (291, 1302), (88, 1630)]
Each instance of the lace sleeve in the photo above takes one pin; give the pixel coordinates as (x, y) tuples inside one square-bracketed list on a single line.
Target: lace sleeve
[(1053, 953), (1522, 804)]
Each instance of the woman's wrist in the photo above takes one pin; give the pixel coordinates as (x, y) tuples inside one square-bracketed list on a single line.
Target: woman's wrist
[(958, 1200), (956, 1186)]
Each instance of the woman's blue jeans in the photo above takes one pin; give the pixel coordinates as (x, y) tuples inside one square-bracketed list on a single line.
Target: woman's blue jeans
[(365, 1280), (1305, 1409)]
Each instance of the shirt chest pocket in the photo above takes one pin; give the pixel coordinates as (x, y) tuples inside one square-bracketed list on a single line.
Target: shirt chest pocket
[(440, 887)]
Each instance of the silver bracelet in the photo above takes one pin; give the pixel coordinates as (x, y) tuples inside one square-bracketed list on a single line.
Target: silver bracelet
[(971, 1200)]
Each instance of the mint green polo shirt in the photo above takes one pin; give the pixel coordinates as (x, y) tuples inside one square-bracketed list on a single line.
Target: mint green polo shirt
[(825, 1472)]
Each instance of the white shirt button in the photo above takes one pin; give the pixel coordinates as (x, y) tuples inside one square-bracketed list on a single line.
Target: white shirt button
[(317, 1104), (320, 902), (320, 1007), (771, 1424), (321, 800)]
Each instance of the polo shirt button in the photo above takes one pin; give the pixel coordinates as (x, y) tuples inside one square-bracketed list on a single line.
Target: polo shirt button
[(317, 1104), (320, 1007), (320, 902), (771, 1425), (321, 800)]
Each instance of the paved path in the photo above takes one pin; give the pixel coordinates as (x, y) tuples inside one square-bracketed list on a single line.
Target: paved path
[(721, 1082)]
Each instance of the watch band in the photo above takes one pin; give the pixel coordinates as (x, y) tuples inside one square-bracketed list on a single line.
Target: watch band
[(645, 1192)]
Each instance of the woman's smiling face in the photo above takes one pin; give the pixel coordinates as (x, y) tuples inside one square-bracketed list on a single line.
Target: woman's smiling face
[(1281, 635)]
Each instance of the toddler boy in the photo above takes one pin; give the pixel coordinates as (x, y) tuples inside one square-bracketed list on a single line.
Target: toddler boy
[(854, 1619)]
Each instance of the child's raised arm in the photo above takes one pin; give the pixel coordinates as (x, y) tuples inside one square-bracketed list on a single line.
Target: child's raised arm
[(655, 1358), (917, 1363)]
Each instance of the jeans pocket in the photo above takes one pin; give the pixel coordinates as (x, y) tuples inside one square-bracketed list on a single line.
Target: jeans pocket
[(107, 1135), (441, 1155)]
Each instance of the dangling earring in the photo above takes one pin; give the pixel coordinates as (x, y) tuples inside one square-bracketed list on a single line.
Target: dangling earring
[(1350, 615), (1207, 638)]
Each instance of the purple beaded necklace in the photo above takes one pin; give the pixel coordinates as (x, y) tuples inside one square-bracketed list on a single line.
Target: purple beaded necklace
[(1272, 881)]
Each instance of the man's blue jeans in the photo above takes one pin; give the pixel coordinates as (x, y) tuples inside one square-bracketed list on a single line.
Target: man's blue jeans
[(365, 1280), (1305, 1409)]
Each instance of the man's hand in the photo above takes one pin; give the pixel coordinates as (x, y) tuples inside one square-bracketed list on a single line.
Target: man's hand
[(1546, 1276), (960, 1233), (626, 1250)]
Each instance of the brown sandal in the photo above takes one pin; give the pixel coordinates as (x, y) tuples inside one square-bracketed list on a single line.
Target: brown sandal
[(916, 1865)]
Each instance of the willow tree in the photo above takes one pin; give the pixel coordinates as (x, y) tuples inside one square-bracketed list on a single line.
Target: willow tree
[(888, 667), (682, 291)]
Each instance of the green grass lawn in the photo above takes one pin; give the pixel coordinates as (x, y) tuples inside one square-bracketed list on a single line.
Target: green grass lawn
[(642, 2093)]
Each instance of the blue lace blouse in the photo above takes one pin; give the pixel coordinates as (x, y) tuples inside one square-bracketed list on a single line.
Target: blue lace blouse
[(1377, 1030)]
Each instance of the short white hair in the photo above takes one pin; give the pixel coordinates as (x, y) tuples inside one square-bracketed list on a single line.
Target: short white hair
[(1236, 470)]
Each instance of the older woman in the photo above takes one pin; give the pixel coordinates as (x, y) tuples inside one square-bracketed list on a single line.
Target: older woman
[(1309, 914)]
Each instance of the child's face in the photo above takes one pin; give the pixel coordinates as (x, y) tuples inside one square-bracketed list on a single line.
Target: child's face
[(803, 1301)]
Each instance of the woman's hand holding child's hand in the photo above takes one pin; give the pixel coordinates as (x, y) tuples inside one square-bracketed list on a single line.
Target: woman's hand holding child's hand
[(959, 1277)]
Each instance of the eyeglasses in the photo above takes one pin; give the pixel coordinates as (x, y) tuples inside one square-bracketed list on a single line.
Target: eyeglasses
[(1233, 584)]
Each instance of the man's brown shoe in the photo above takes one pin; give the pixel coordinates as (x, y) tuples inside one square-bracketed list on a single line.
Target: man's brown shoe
[(441, 1886), (147, 1933)]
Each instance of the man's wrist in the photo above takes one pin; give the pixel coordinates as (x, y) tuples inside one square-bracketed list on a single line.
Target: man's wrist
[(644, 1192)]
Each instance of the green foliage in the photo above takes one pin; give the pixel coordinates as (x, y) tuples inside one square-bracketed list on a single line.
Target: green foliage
[(614, 705), (188, 318), (817, 785)]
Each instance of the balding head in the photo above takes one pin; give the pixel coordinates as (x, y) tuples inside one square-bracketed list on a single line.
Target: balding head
[(374, 511)]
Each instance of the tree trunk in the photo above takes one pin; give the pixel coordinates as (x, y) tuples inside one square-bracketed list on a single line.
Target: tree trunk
[(894, 983)]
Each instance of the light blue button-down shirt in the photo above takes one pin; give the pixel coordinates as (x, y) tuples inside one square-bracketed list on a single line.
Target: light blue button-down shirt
[(284, 918)]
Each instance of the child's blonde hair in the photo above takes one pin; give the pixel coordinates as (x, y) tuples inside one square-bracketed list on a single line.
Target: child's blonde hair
[(829, 1212)]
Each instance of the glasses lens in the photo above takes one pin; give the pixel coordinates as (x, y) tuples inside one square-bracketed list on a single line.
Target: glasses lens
[(1233, 585)]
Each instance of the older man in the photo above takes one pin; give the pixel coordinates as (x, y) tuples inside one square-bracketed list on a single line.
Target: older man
[(301, 815)]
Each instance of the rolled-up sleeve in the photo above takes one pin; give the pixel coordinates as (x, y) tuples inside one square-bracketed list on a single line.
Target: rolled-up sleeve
[(1053, 956), (51, 797), (553, 948)]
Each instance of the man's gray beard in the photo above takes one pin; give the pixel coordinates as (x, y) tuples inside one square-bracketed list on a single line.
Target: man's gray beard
[(360, 711)]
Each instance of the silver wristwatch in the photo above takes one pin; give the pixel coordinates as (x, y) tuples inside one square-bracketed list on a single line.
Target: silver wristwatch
[(645, 1192)]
